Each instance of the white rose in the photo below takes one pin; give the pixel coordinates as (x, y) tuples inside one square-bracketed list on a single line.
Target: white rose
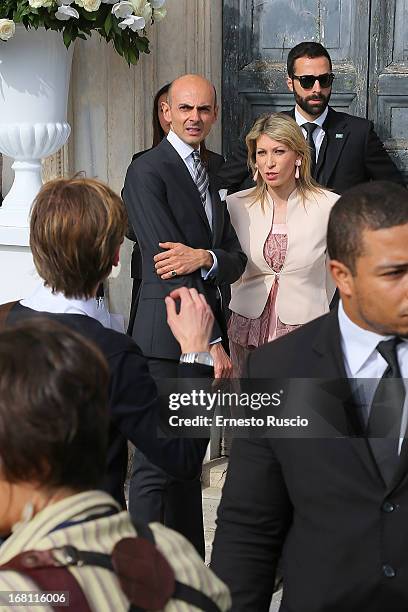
[(89, 5), (123, 9), (40, 3), (157, 4), (159, 14), (138, 6), (142, 8), (133, 22), (7, 29), (147, 13), (66, 12)]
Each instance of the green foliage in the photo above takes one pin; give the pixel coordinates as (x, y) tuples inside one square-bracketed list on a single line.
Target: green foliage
[(127, 43)]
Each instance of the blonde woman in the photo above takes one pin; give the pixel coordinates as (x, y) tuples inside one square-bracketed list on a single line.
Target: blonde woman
[(281, 224)]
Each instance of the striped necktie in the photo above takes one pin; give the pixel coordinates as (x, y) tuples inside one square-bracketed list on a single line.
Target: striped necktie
[(201, 176)]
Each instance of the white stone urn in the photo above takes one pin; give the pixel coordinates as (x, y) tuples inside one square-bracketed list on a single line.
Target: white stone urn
[(35, 68)]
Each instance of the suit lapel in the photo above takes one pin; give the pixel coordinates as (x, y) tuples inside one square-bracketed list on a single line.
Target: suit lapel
[(188, 185), (335, 381), (334, 140), (215, 161), (322, 155), (402, 468), (327, 343), (328, 346), (336, 134)]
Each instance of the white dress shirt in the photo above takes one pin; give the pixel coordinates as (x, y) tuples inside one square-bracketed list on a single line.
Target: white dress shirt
[(186, 153), (363, 361), (44, 300), (319, 132)]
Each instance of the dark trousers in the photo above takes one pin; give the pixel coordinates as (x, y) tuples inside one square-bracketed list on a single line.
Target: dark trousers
[(156, 496)]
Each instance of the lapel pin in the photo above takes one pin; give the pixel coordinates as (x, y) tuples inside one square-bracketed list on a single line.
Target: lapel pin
[(339, 135)]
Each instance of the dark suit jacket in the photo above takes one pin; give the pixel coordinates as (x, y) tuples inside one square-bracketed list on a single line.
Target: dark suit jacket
[(136, 261), (133, 402), (164, 205), (321, 501), (351, 153), (215, 161)]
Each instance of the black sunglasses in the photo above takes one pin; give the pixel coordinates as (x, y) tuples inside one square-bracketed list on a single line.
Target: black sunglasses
[(308, 80)]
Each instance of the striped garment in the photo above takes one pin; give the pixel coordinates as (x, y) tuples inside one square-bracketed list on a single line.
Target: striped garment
[(99, 585)]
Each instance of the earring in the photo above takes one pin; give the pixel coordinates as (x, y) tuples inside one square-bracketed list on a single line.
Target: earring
[(298, 163), (255, 177)]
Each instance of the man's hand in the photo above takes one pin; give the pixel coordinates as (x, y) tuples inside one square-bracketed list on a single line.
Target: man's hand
[(181, 259), (192, 326), (222, 363)]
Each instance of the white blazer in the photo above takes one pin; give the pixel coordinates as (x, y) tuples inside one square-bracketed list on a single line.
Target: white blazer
[(305, 285)]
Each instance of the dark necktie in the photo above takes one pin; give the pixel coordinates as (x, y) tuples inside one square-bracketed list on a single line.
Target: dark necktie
[(310, 128), (384, 422), (201, 176)]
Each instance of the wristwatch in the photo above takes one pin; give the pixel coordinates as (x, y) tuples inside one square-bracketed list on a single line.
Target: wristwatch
[(201, 358)]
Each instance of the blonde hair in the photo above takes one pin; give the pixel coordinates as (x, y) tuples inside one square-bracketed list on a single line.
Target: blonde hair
[(76, 228), (283, 129)]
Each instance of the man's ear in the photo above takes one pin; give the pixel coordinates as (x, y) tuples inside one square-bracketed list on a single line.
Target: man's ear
[(289, 83), (215, 113), (342, 276), (166, 111)]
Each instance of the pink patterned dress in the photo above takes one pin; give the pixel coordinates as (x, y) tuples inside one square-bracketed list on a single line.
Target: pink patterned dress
[(247, 334)]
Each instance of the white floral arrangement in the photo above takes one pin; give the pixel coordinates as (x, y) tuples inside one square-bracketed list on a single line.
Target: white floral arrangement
[(123, 23)]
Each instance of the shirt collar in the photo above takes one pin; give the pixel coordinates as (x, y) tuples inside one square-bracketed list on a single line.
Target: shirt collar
[(182, 148), (357, 343), (300, 119), (44, 300), (28, 534)]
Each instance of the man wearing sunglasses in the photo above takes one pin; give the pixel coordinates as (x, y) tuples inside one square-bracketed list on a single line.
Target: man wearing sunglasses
[(345, 149)]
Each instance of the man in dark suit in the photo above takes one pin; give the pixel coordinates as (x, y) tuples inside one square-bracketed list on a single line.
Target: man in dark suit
[(76, 230), (213, 162), (345, 149), (335, 505), (186, 238), (184, 232)]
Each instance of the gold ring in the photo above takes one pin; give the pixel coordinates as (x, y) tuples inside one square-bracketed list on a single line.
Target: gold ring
[(173, 273)]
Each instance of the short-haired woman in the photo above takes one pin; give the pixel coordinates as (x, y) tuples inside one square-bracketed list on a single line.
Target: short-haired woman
[(281, 224)]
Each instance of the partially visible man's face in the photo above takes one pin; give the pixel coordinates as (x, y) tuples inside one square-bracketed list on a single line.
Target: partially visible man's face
[(376, 298), (315, 100), (191, 109), (165, 125)]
